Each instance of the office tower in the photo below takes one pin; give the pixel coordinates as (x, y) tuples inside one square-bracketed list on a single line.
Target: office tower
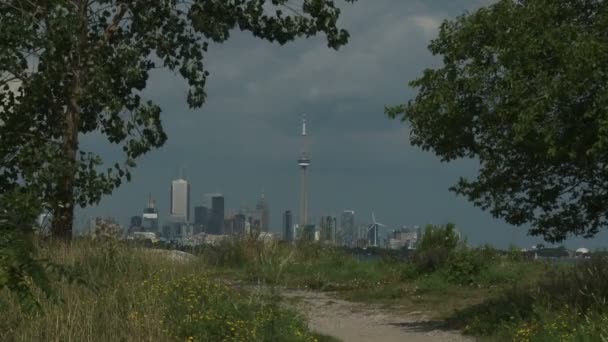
[(239, 224), (135, 222), (288, 226), (308, 232), (327, 232), (180, 199), (149, 218), (304, 163), (347, 234), (202, 215), (216, 226), (263, 213)]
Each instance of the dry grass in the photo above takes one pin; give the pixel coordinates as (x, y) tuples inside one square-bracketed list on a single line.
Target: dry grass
[(137, 295)]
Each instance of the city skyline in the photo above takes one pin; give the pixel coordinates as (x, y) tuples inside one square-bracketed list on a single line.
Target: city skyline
[(243, 139)]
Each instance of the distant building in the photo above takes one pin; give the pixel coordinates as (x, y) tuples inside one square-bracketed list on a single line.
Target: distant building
[(288, 226), (135, 221), (149, 218), (328, 227), (239, 224), (180, 199), (403, 238), (307, 232), (216, 223), (263, 213), (347, 234), (202, 216)]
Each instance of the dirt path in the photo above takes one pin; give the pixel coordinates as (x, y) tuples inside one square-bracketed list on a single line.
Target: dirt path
[(354, 322)]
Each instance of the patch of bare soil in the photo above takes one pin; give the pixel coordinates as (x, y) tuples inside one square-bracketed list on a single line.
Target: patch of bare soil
[(356, 322)]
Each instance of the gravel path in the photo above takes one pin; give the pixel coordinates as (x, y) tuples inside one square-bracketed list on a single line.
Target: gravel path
[(355, 322)]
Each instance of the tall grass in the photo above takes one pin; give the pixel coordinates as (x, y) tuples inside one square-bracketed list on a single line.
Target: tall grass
[(565, 304), (133, 294)]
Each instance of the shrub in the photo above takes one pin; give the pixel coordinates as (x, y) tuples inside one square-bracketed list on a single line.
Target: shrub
[(444, 237), (583, 286), (435, 246), (145, 296), (464, 266)]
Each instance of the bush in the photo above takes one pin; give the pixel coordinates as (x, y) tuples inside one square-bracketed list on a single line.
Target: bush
[(464, 266), (583, 287), (566, 304), (435, 247)]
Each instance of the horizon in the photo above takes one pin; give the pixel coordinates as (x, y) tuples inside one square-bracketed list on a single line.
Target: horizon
[(245, 138)]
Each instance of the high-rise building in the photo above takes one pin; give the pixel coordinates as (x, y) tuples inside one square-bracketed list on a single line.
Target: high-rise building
[(149, 218), (304, 163), (327, 231), (288, 226), (347, 233), (263, 213), (239, 224), (135, 222), (307, 233), (202, 215), (180, 199), (216, 224)]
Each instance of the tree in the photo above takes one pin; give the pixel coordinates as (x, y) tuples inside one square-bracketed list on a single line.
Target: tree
[(523, 90), (80, 67)]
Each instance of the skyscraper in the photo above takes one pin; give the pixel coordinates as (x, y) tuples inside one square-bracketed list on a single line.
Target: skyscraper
[(149, 219), (239, 224), (263, 212), (216, 226), (327, 232), (135, 222), (288, 226), (347, 228), (201, 215), (304, 163), (180, 199)]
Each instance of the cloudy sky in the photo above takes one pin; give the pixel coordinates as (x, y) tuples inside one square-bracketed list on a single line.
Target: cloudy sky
[(245, 138)]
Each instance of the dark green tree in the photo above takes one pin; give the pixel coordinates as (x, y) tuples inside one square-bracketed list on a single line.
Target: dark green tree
[(73, 67), (523, 90)]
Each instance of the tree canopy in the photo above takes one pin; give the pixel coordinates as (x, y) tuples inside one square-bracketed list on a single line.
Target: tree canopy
[(80, 66), (523, 89)]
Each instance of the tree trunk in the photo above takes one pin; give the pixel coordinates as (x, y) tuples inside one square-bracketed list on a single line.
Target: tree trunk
[(63, 213)]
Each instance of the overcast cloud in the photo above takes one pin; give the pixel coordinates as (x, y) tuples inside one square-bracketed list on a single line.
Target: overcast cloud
[(245, 138)]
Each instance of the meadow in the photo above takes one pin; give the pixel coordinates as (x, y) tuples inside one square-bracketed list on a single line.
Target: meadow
[(490, 294), (117, 292), (121, 293)]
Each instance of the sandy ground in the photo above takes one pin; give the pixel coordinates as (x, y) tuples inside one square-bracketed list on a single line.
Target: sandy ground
[(349, 321)]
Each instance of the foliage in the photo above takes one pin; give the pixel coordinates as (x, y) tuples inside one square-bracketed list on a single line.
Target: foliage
[(146, 296), (20, 269), (522, 90), (465, 265), (435, 247), (564, 304), (70, 68)]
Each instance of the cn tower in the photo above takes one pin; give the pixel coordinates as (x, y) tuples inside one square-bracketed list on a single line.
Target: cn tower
[(304, 163)]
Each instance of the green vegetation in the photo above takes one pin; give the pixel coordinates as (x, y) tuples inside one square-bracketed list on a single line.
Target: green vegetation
[(61, 64), (521, 92), (498, 295), (72, 68), (567, 304), (132, 294)]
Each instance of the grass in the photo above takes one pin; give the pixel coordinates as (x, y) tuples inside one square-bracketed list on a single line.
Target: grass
[(131, 294), (134, 294), (491, 295)]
